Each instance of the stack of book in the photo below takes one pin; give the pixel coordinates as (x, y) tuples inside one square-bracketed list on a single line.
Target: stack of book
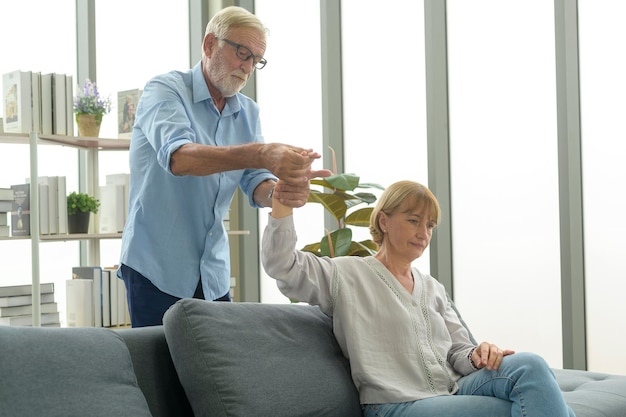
[(96, 298), (6, 205), (37, 102), (16, 306)]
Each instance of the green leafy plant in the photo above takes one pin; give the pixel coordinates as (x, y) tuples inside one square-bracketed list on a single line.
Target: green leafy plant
[(340, 202), (81, 202)]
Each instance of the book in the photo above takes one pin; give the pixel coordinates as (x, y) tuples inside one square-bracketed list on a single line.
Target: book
[(20, 212), (62, 204), (53, 202), (114, 282), (44, 214), (126, 107), (13, 290), (106, 297), (6, 194), (123, 316), (35, 102), (24, 300), (46, 104), (94, 273), (6, 206), (16, 88), (69, 106), (59, 105), (27, 309), (47, 318), (111, 213), (79, 302)]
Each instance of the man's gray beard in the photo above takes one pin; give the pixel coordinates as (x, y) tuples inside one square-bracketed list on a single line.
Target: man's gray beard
[(227, 91)]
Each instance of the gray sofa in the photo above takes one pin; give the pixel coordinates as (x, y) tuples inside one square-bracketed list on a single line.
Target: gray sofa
[(213, 359)]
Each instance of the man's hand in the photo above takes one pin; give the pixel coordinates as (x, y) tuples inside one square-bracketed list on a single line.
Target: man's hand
[(291, 195), (291, 164), (296, 195)]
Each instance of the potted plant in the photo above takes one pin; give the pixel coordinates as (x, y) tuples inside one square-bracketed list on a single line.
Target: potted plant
[(79, 209), (89, 107), (340, 203)]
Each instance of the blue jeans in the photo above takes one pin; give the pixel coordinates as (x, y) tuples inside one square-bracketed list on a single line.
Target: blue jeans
[(146, 303), (524, 386)]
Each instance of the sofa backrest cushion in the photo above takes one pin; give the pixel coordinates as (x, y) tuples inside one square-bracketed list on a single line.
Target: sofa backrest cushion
[(252, 359), (67, 372)]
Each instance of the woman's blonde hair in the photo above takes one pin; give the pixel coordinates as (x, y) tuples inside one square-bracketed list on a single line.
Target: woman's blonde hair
[(418, 195)]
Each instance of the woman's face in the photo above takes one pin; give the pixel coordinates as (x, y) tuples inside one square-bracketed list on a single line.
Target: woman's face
[(407, 232)]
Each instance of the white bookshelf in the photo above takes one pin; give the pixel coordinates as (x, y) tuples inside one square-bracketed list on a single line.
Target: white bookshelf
[(91, 146)]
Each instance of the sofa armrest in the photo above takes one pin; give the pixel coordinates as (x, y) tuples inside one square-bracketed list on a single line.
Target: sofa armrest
[(155, 371)]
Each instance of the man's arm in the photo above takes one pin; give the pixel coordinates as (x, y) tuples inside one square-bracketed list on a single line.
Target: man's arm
[(289, 163)]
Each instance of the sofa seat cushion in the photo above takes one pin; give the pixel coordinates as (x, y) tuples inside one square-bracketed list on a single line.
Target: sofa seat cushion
[(67, 372), (251, 359), (593, 394)]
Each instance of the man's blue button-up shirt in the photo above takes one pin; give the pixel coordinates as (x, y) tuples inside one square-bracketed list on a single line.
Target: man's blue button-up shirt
[(174, 232)]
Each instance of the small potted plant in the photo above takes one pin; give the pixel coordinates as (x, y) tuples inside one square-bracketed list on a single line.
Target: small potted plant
[(89, 107), (79, 209)]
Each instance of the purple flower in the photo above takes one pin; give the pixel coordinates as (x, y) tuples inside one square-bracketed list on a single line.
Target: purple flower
[(89, 101)]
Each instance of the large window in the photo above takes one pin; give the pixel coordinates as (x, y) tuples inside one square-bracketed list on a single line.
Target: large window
[(603, 87), (289, 93), (384, 86), (504, 177)]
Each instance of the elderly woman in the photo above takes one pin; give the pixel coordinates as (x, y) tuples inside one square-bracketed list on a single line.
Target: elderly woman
[(409, 353)]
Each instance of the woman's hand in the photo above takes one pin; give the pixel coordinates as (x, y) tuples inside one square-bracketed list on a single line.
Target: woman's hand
[(488, 355)]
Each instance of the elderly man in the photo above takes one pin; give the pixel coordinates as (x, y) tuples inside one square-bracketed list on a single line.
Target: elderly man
[(194, 141)]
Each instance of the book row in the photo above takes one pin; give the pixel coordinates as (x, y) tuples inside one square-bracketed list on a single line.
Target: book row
[(16, 306), (44, 103), (52, 206), (96, 298), (37, 102), (53, 220)]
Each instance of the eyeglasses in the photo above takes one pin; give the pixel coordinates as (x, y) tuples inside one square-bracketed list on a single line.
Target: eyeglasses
[(245, 54)]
